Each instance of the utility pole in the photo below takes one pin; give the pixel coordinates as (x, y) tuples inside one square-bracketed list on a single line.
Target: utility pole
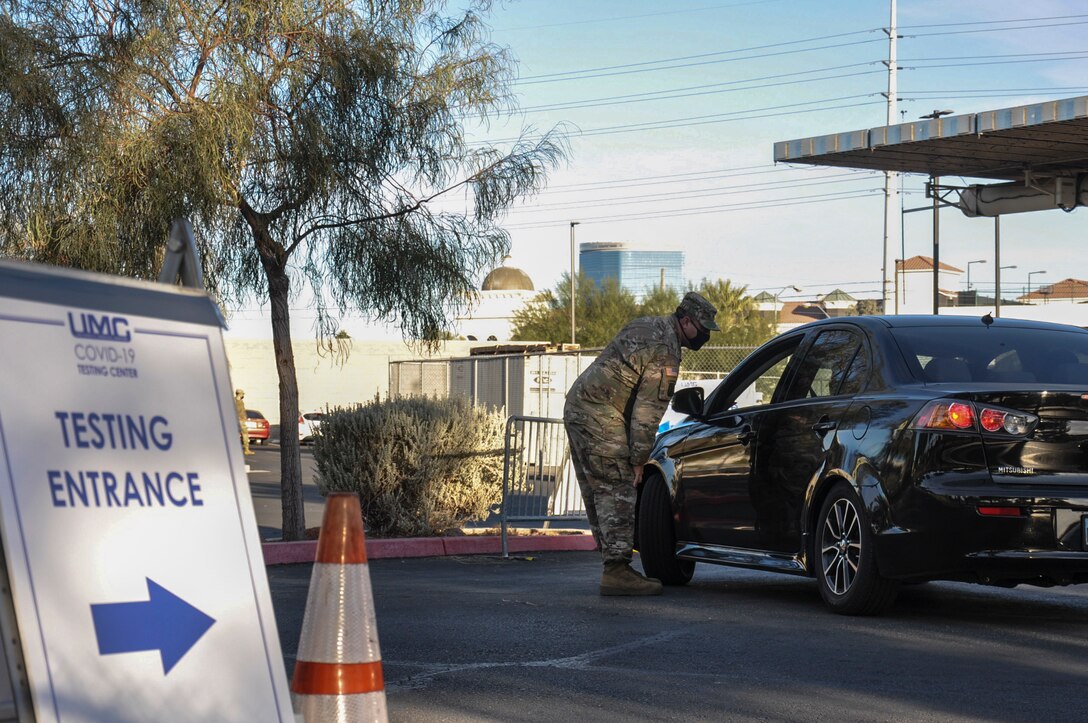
[(573, 283), (890, 177)]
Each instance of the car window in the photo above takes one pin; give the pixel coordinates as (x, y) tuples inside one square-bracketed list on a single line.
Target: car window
[(828, 362), (857, 376), (254, 414), (759, 378), (995, 354)]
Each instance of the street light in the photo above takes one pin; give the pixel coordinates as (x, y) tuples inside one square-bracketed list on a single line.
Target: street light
[(1030, 274), (784, 288), (979, 261), (573, 286)]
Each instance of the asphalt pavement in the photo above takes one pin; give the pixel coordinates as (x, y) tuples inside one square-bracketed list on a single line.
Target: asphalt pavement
[(528, 639), (264, 485)]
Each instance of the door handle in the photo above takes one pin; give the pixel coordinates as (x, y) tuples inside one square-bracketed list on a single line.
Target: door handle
[(746, 435), (824, 425)]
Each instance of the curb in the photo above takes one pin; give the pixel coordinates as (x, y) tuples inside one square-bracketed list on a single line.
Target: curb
[(291, 553)]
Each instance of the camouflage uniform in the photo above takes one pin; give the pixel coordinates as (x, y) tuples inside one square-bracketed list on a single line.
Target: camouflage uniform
[(240, 407), (611, 415)]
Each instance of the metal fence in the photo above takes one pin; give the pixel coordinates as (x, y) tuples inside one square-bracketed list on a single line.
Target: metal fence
[(538, 477), (538, 481), (531, 384)]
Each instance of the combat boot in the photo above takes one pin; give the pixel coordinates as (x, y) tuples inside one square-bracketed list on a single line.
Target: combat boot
[(619, 579)]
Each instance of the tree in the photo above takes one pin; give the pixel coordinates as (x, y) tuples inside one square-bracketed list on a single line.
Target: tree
[(738, 315), (603, 310), (307, 142), (868, 307)]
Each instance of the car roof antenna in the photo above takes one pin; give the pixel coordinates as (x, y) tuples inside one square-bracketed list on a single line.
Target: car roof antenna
[(988, 319)]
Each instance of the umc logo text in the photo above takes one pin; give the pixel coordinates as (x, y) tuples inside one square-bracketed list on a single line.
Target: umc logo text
[(99, 326)]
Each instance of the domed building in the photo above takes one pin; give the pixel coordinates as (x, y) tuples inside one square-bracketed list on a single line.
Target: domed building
[(504, 291)]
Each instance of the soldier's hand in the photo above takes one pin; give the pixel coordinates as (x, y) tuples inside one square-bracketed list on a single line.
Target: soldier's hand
[(638, 474)]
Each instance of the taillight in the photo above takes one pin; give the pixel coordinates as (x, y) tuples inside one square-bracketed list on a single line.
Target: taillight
[(959, 415), (946, 415), (997, 511)]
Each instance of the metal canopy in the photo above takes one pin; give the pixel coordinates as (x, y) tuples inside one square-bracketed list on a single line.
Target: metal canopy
[(1042, 139)]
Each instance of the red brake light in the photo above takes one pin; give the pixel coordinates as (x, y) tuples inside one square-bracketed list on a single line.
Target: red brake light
[(961, 415), (946, 415), (992, 420), (995, 511)]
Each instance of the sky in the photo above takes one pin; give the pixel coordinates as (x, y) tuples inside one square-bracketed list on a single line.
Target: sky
[(672, 111)]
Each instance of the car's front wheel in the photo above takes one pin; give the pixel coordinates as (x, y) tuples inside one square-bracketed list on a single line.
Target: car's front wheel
[(845, 561), (657, 536)]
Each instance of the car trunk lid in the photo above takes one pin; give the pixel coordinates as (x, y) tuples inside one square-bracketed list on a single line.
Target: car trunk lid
[(1055, 452)]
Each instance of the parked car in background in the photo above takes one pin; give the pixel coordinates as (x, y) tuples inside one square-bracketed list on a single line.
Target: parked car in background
[(257, 426), (308, 424), (883, 450)]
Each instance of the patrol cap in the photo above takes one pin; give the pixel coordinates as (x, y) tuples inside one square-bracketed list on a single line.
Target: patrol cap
[(700, 309)]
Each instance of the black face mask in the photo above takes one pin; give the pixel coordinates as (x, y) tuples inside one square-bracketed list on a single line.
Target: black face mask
[(701, 337)]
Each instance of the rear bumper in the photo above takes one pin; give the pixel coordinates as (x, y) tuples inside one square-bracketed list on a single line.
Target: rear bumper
[(940, 534)]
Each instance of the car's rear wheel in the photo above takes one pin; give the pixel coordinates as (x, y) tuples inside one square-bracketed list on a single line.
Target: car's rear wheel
[(845, 561), (657, 536)]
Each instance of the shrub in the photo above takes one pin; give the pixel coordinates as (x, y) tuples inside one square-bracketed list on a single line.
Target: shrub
[(421, 466)]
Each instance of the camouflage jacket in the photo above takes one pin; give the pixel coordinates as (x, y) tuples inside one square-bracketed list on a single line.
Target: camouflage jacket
[(619, 400)]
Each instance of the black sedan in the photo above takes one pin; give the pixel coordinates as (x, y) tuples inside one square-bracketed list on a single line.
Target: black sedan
[(882, 450)]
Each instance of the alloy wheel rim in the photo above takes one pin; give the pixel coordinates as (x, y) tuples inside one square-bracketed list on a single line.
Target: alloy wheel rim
[(840, 546)]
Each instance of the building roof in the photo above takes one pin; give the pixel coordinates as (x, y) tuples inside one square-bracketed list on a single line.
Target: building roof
[(922, 263), (800, 312), (762, 297), (507, 278), (1064, 289), (840, 295), (1049, 138)]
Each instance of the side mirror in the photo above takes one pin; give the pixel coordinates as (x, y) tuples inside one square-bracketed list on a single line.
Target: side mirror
[(688, 401)]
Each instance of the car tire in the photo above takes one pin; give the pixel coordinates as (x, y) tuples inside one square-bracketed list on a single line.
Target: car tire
[(657, 536), (844, 559)]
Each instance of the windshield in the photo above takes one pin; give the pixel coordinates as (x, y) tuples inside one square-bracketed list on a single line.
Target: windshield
[(995, 354)]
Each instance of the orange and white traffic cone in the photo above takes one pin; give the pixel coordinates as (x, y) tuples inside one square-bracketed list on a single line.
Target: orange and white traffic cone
[(338, 670)]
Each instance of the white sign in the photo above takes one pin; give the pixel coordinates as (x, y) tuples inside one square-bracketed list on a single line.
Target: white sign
[(128, 528)]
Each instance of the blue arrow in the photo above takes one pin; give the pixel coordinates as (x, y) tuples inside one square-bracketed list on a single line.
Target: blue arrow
[(165, 623)]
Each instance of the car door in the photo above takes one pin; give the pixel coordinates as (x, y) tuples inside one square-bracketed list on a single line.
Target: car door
[(795, 437), (714, 460)]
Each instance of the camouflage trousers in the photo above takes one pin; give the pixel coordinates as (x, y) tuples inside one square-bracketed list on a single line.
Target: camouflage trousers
[(607, 489)]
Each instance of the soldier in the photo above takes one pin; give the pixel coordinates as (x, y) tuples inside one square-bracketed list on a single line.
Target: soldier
[(611, 415), (240, 406)]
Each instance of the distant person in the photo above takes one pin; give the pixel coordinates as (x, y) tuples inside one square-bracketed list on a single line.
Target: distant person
[(240, 406), (611, 416)]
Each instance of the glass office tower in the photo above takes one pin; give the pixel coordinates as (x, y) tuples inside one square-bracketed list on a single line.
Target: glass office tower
[(637, 269)]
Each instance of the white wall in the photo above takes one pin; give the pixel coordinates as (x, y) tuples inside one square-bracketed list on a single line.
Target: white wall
[(322, 380)]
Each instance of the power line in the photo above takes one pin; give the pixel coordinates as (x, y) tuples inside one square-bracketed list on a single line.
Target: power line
[(994, 22), (610, 185), (699, 193), (671, 175), (679, 61), (669, 95), (700, 63), (999, 30), (990, 57), (532, 79), (709, 119), (616, 18), (1000, 62), (702, 210)]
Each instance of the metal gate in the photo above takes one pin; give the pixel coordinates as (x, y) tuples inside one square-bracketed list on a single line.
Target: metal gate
[(538, 481)]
